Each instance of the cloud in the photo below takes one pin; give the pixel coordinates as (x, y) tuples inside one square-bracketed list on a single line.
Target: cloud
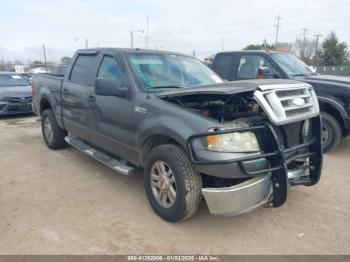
[(176, 25)]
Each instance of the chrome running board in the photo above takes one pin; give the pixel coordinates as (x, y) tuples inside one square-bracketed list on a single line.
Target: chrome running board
[(117, 165)]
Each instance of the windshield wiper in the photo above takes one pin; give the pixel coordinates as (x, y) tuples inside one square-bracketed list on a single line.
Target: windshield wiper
[(300, 75), (169, 86)]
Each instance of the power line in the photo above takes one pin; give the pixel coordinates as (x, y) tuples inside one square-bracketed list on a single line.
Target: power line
[(277, 25)]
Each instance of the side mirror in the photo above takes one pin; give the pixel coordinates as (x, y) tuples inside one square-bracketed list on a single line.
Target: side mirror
[(110, 87)]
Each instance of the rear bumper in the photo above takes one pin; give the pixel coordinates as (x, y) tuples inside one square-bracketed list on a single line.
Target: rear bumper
[(240, 198)]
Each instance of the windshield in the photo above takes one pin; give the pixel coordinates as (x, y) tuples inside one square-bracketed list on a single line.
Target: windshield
[(12, 80), (292, 65), (170, 71)]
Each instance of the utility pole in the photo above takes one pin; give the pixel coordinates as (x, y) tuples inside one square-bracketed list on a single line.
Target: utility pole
[(316, 51), (146, 38), (277, 25), (86, 43), (222, 44), (45, 57), (265, 45), (304, 41)]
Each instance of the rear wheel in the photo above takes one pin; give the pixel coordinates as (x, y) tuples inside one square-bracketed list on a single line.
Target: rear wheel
[(331, 132), (172, 186), (52, 133)]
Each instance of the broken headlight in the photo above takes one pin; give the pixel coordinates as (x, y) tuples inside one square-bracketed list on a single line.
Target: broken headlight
[(236, 142)]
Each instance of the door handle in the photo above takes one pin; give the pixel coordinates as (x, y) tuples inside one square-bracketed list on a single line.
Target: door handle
[(65, 90), (91, 98)]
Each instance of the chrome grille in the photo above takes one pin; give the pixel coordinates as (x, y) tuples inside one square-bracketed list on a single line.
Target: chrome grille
[(17, 100), (287, 103)]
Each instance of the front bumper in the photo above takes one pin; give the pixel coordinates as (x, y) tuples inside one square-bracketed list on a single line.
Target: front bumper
[(269, 184), (240, 198), (15, 108)]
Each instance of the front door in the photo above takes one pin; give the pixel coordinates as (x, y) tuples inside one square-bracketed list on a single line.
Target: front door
[(249, 65), (111, 117)]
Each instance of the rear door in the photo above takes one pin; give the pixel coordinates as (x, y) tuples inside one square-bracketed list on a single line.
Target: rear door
[(75, 87), (111, 117), (222, 65)]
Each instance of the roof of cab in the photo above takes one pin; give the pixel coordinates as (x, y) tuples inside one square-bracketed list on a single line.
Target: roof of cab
[(253, 51), (129, 51)]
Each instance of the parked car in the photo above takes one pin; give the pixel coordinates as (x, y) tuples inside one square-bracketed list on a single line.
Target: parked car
[(238, 144), (333, 92), (15, 94), (58, 70)]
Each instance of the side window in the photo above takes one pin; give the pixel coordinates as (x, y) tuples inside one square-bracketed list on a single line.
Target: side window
[(249, 66), (82, 68), (110, 69), (222, 65)]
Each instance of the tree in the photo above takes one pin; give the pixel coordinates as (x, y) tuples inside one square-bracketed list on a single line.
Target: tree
[(333, 53), (66, 60), (305, 50), (35, 64), (258, 47)]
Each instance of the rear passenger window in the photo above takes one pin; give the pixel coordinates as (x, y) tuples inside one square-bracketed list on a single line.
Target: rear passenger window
[(82, 69), (222, 66)]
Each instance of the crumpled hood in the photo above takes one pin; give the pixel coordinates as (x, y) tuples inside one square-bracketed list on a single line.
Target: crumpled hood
[(15, 91), (227, 88)]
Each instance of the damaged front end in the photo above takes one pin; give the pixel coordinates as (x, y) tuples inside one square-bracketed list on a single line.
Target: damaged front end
[(267, 139)]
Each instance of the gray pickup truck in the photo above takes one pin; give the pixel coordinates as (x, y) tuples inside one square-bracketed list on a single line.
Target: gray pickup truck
[(240, 145)]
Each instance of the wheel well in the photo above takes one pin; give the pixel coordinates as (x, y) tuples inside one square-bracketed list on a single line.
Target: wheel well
[(333, 112), (156, 140), (44, 104)]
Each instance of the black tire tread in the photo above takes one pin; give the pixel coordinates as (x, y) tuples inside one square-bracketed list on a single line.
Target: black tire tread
[(337, 131), (192, 180), (59, 134)]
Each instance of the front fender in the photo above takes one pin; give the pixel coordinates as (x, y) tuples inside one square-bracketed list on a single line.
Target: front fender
[(333, 102), (171, 127)]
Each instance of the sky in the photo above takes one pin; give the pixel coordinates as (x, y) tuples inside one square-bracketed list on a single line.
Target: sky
[(179, 25)]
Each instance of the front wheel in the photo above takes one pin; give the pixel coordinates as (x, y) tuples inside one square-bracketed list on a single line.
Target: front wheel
[(172, 186), (331, 132)]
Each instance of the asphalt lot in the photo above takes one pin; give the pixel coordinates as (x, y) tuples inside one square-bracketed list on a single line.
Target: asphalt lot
[(63, 202)]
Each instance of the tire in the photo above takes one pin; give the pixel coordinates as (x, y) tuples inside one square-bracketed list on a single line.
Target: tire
[(331, 132), (55, 139), (187, 183)]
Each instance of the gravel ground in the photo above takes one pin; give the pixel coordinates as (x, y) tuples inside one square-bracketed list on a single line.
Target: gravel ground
[(63, 202)]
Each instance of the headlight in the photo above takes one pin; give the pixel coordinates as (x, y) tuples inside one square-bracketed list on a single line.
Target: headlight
[(237, 142)]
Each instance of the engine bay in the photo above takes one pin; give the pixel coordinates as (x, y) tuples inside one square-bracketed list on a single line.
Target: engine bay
[(221, 108)]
